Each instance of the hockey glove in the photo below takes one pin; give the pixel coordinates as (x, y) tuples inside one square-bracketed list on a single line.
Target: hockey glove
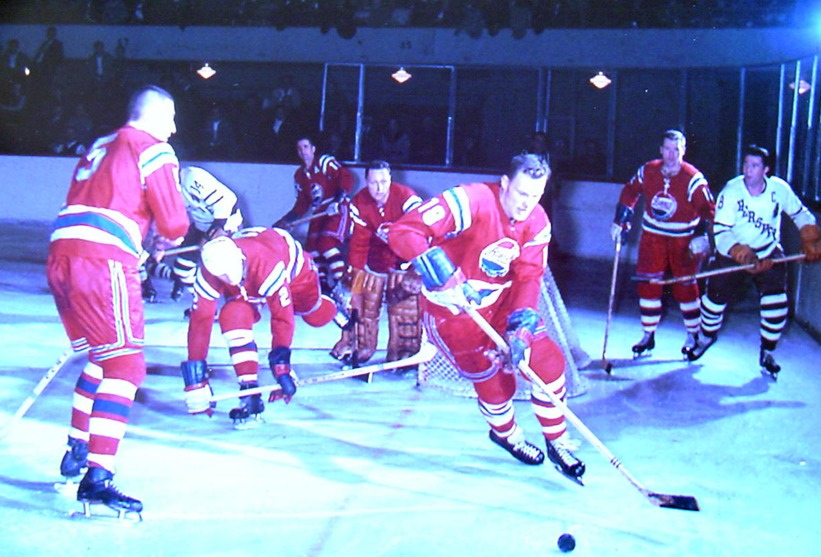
[(743, 254), (198, 391), (445, 282), (621, 223), (700, 247), (280, 361), (811, 242), (522, 326)]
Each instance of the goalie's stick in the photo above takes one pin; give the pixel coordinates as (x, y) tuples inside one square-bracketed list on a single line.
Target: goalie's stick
[(38, 389), (683, 502), (425, 354), (724, 271), (608, 366)]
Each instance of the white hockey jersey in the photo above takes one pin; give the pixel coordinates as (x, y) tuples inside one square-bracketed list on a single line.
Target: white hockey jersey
[(207, 199), (756, 221)]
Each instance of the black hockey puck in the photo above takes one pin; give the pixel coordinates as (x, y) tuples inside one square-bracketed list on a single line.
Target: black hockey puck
[(566, 543)]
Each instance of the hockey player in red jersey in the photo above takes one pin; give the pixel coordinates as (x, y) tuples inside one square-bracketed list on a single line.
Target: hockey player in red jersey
[(256, 267), (485, 244), (374, 270), (679, 207), (322, 187), (126, 181)]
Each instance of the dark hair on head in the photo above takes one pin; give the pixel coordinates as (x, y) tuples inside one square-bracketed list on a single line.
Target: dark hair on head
[(307, 136), (531, 164), (675, 135), (754, 150), (137, 101), (377, 165)]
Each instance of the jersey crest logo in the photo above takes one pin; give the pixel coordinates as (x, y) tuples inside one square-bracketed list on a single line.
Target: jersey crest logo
[(663, 206), (382, 231), (495, 259)]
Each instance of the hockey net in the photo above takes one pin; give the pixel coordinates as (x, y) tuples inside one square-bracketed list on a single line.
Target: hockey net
[(441, 374)]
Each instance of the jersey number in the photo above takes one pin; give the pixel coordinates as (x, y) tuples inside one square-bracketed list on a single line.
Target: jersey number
[(93, 159)]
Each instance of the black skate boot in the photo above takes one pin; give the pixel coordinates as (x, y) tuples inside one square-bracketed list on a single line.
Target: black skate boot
[(247, 414), (177, 290), (768, 364), (149, 292), (522, 451), (96, 488), (564, 460), (646, 344), (75, 461), (703, 342)]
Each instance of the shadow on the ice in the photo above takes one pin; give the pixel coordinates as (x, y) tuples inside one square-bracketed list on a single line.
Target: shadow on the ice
[(677, 399)]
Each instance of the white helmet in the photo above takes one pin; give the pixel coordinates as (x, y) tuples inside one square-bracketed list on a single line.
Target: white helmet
[(223, 259)]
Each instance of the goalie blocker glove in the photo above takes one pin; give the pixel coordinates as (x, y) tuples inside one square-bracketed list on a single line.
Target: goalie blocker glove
[(198, 391)]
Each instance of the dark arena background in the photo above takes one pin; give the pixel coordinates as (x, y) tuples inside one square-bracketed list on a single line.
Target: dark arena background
[(402, 466)]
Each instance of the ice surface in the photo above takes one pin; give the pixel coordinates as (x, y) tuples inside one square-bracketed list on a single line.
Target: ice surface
[(387, 469)]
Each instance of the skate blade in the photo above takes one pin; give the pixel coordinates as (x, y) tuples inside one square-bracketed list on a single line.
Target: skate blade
[(771, 374), (98, 512), (67, 488), (575, 479), (248, 423)]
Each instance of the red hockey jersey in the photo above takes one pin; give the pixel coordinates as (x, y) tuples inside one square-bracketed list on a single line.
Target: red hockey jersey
[(495, 253), (369, 240), (675, 205), (320, 185), (126, 180)]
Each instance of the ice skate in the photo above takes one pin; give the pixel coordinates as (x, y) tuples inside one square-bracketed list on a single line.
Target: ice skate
[(645, 346), (522, 450), (559, 453), (703, 342), (247, 415), (768, 364), (74, 463), (177, 290), (689, 343), (149, 293), (75, 460), (96, 488)]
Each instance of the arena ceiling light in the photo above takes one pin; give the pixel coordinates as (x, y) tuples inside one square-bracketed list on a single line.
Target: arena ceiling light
[(803, 86), (600, 81), (206, 71), (401, 76)]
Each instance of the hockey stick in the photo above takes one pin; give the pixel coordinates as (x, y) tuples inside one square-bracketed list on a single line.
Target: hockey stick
[(726, 270), (683, 502), (608, 366), (309, 218), (425, 354), (182, 249), (38, 389)]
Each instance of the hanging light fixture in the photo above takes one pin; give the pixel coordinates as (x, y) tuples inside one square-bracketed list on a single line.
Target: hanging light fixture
[(803, 86), (206, 71), (401, 76), (600, 81)]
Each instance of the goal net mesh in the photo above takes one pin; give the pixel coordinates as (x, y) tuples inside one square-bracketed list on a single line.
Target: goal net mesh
[(439, 373)]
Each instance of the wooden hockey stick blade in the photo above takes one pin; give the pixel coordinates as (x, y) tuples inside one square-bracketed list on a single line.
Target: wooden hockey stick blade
[(425, 354), (683, 502)]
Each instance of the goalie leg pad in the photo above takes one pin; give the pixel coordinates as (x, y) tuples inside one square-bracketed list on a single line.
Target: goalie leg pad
[(405, 329), (367, 327)]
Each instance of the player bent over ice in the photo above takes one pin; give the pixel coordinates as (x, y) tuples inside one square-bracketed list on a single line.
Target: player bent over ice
[(256, 267), (485, 244)]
